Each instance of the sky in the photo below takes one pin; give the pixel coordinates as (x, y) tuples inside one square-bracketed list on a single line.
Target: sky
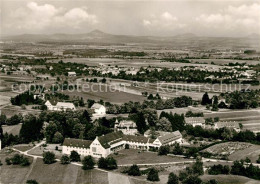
[(131, 17)]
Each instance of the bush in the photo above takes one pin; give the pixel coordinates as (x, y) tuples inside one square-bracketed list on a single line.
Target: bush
[(102, 163), (65, 159), (48, 157), (25, 161), (74, 156), (88, 163), (126, 146), (164, 150), (16, 160), (134, 171), (31, 182), (218, 169), (153, 175), (8, 161), (173, 179)]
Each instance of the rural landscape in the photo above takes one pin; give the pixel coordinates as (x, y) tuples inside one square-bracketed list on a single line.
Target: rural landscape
[(165, 93)]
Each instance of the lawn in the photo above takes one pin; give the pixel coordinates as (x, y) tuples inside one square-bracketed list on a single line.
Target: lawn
[(131, 156), (13, 129), (229, 179), (67, 174)]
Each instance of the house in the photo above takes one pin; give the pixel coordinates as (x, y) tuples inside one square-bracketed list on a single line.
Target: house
[(107, 144), (59, 106), (128, 127), (195, 121), (228, 124), (167, 139), (98, 109), (72, 74)]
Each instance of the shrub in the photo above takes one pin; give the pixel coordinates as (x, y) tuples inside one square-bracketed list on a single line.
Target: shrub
[(153, 175), (164, 150), (88, 163), (134, 171), (65, 159), (8, 161), (74, 156), (48, 157), (31, 182)]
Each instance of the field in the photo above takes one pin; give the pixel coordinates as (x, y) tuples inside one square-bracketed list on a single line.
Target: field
[(131, 156), (248, 118), (229, 179), (224, 61), (105, 93), (236, 150), (13, 129)]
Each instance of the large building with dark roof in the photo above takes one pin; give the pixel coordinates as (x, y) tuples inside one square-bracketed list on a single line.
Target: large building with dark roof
[(104, 145)]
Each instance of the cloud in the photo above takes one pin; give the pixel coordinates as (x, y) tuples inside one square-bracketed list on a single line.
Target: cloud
[(243, 18), (164, 20), (47, 16)]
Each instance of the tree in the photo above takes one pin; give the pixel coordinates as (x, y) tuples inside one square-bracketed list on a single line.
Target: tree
[(192, 180), (88, 163), (102, 163), (205, 99), (111, 163), (24, 161), (153, 175), (31, 182), (177, 150), (134, 171), (57, 138), (48, 157), (65, 159), (8, 161), (16, 159), (165, 125), (198, 167), (258, 160), (173, 179), (74, 156), (164, 150)]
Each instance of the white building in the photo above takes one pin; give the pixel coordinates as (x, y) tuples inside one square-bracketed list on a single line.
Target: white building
[(195, 121), (105, 145), (59, 106), (98, 109), (228, 124), (128, 127), (72, 74)]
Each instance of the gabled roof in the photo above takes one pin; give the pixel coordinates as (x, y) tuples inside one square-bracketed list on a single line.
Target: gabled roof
[(191, 120), (52, 101), (65, 104), (129, 123), (96, 106), (133, 138), (170, 137), (108, 139), (77, 143), (228, 124)]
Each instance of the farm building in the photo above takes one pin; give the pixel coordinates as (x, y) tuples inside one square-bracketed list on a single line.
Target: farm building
[(59, 106), (98, 109), (126, 126), (72, 74), (195, 121)]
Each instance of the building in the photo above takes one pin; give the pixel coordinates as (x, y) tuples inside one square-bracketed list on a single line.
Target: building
[(98, 109), (72, 74), (195, 121), (59, 106), (128, 127), (228, 124), (107, 144)]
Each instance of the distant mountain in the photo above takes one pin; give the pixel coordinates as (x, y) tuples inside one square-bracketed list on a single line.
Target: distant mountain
[(179, 41)]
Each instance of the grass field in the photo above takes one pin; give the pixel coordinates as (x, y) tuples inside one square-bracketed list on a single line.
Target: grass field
[(229, 179), (13, 129), (236, 150), (131, 156)]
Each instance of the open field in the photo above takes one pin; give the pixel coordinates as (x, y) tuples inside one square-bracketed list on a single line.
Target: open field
[(131, 156), (137, 63), (229, 179), (13, 129), (224, 61), (102, 92), (248, 118), (236, 150)]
